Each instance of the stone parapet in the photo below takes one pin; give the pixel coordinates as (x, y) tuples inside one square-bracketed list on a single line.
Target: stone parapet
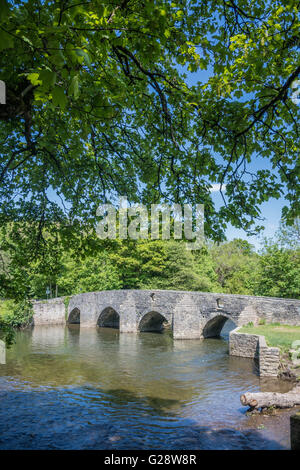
[(49, 312), (255, 346)]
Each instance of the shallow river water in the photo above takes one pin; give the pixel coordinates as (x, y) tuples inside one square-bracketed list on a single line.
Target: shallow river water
[(93, 388)]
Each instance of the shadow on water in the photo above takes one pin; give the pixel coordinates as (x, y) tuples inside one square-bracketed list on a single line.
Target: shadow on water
[(227, 328), (149, 425), (93, 388)]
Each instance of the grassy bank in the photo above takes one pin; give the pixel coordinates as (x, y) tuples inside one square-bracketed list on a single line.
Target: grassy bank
[(277, 335)]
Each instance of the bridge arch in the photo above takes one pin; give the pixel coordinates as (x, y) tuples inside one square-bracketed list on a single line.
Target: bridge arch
[(214, 326), (74, 316), (109, 318), (153, 321)]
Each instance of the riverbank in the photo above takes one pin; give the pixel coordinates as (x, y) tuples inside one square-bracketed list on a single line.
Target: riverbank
[(287, 339), (275, 423), (276, 334)]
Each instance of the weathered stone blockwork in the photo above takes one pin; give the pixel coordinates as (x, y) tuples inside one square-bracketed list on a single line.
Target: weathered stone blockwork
[(269, 359), (189, 314), (243, 344), (49, 312), (255, 346)]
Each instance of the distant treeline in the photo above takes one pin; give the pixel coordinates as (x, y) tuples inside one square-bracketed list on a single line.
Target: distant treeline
[(231, 267)]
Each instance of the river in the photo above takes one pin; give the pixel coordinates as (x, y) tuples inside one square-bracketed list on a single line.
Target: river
[(94, 388)]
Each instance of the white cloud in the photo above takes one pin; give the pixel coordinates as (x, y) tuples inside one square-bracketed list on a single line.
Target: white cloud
[(216, 187)]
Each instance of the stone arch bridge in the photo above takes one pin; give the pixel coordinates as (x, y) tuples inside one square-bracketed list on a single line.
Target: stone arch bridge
[(190, 315)]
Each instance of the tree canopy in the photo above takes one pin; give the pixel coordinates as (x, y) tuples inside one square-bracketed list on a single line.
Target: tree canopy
[(230, 267), (154, 100)]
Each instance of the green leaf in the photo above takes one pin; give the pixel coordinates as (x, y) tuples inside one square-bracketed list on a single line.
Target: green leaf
[(34, 78), (58, 58), (58, 97), (48, 77), (74, 87), (6, 40), (4, 10), (25, 39), (84, 54)]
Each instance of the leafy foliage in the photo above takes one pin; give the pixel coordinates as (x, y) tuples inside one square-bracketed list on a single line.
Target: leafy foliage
[(279, 273), (7, 332), (99, 104), (236, 267), (13, 315), (231, 267), (17, 314)]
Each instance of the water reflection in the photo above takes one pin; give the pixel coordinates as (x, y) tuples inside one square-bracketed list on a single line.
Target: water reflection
[(72, 387)]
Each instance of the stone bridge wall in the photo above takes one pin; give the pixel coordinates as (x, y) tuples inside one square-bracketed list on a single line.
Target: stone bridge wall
[(49, 312), (189, 314), (255, 347)]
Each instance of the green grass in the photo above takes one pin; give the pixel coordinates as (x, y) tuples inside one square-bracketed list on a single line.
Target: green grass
[(276, 335)]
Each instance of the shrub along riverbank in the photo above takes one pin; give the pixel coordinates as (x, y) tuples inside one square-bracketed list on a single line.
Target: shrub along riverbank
[(13, 315), (233, 267)]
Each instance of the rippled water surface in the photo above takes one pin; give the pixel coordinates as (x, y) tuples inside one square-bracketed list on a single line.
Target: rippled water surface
[(93, 388)]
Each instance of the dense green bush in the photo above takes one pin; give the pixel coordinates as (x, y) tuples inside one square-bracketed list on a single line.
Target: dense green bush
[(231, 267), (20, 315), (14, 315)]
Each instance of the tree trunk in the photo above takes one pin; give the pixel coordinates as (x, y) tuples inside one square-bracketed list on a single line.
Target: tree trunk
[(267, 399)]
